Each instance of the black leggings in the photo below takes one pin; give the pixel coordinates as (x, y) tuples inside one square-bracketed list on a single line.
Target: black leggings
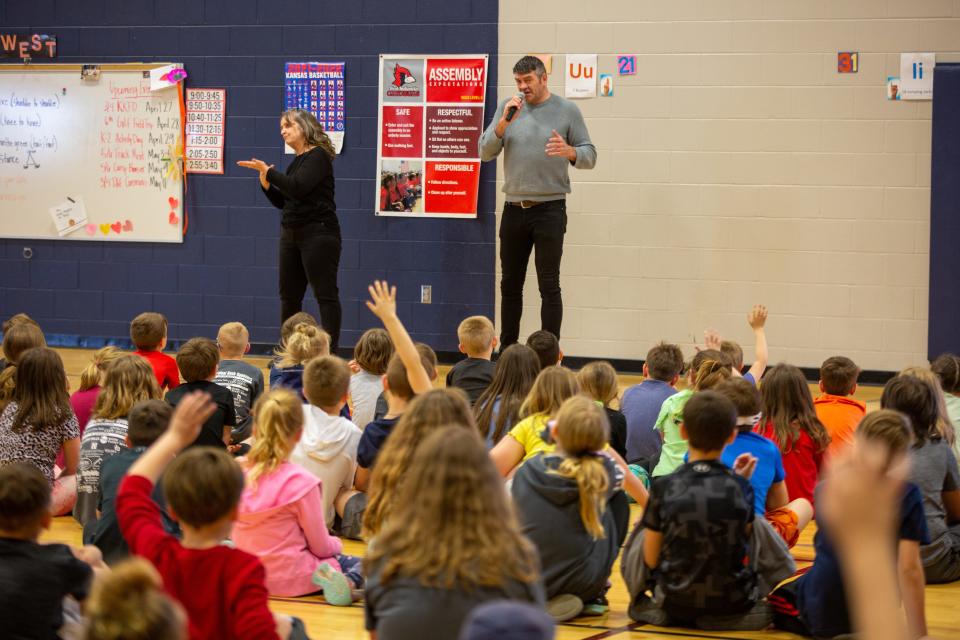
[(310, 254), (541, 227)]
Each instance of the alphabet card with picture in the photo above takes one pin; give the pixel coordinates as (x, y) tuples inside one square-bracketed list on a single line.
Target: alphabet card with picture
[(581, 75)]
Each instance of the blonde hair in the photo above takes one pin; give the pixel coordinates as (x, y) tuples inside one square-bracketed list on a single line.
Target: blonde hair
[(945, 428), (710, 373), (582, 431), (452, 525), (599, 381), (326, 380), (232, 338), (554, 385), (304, 344), (431, 411), (128, 380), (277, 418), (128, 603), (476, 334), (92, 375)]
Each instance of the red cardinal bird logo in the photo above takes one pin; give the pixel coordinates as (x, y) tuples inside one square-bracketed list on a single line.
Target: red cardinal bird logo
[(402, 76)]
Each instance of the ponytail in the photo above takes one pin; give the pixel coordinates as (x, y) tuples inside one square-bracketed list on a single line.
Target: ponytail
[(92, 375), (129, 604), (277, 417), (582, 431), (305, 343), (710, 373)]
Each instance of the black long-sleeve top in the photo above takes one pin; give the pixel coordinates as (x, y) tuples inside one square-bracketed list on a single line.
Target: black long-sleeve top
[(305, 192)]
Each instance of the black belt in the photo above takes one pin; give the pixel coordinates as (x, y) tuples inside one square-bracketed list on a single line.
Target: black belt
[(529, 204)]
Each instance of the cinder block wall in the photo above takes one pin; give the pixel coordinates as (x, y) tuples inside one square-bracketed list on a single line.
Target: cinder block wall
[(738, 167), (227, 267)]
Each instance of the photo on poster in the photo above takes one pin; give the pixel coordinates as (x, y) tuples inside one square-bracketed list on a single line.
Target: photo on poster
[(402, 80), (606, 85), (893, 88), (401, 186)]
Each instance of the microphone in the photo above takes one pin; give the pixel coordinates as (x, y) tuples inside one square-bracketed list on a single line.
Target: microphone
[(512, 111)]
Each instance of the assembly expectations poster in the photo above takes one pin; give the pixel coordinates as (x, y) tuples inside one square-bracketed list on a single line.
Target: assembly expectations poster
[(430, 120), (320, 88)]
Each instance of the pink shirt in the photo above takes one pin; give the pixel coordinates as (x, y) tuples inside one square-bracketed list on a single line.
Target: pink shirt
[(281, 521), (82, 403)]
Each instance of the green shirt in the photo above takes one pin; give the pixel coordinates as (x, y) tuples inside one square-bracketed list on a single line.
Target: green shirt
[(668, 424)]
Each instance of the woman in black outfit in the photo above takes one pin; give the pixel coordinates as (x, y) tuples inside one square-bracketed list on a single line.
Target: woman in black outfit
[(309, 229)]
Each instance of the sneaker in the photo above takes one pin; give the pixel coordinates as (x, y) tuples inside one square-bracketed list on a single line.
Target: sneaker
[(596, 607), (336, 587), (564, 607)]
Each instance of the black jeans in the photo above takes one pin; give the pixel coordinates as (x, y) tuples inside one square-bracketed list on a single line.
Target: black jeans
[(310, 254), (541, 227)]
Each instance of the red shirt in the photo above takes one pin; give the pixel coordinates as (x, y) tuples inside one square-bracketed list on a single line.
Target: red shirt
[(164, 367), (801, 463), (222, 589)]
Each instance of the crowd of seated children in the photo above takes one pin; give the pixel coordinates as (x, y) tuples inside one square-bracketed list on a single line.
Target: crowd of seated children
[(242, 379), (222, 589), (431, 411), (451, 542), (641, 404), (36, 580), (281, 515), (816, 603), (770, 499), (789, 419), (695, 533), (304, 343), (598, 380), (371, 355), (707, 369), (128, 380), (148, 332), (474, 373), (836, 407), (498, 407), (37, 422), (572, 508), (327, 445), (933, 469), (197, 359), (547, 347), (147, 421)]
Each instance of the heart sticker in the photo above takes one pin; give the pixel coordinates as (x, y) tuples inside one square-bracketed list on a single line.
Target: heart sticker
[(173, 218), (128, 226), (173, 202), (104, 229), (116, 226), (91, 229)]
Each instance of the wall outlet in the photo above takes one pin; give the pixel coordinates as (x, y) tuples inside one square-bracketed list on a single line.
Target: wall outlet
[(426, 294)]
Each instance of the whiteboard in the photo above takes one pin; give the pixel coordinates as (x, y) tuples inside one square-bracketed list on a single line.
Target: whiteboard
[(109, 144)]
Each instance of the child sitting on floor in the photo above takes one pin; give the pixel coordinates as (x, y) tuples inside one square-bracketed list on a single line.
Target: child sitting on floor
[(598, 380), (198, 359), (641, 403), (148, 331), (281, 515), (240, 378), (304, 344), (475, 373), (498, 408), (371, 355), (572, 507), (839, 412)]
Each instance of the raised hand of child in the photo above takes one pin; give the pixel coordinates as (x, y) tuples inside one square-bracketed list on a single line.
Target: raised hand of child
[(745, 465), (190, 415), (711, 339), (354, 366), (757, 316), (383, 299)]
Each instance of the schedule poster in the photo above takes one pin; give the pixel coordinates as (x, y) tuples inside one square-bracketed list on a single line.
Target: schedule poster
[(320, 88), (430, 120), (206, 117)]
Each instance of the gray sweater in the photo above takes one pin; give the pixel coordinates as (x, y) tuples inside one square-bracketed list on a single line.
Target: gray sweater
[(530, 174)]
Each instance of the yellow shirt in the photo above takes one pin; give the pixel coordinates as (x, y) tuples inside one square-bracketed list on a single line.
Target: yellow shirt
[(529, 433)]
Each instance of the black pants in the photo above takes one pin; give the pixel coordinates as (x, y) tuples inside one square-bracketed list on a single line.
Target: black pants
[(541, 227), (311, 254)]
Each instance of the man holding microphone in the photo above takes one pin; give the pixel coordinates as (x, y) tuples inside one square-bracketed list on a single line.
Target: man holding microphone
[(542, 135)]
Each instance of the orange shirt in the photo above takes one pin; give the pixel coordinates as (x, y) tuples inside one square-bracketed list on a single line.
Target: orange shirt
[(840, 415)]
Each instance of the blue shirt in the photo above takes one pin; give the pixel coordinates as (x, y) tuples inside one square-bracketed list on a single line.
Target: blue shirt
[(769, 464), (641, 406), (749, 378), (372, 440), (821, 599)]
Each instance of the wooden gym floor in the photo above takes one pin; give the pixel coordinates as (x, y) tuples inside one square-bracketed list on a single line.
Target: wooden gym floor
[(346, 623)]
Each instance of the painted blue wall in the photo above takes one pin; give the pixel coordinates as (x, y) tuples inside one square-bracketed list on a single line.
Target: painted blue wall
[(226, 268)]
